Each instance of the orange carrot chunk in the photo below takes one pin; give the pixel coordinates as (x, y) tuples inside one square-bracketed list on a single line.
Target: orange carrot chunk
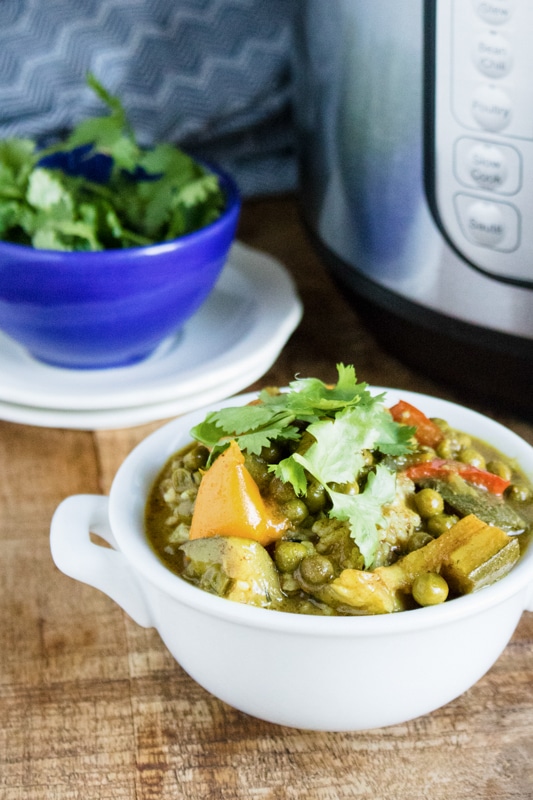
[(229, 503)]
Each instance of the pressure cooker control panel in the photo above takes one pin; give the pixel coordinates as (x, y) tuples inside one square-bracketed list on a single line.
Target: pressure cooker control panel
[(482, 136)]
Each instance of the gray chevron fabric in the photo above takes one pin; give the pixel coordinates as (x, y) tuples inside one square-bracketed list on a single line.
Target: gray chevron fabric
[(211, 75)]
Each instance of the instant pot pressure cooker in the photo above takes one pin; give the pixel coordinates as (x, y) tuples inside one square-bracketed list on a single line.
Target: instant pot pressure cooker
[(415, 122)]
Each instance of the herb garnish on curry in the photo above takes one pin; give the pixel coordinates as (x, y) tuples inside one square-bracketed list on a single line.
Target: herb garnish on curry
[(322, 500)]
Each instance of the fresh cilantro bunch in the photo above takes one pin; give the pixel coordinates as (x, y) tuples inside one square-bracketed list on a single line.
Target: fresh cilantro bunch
[(149, 196), (343, 421)]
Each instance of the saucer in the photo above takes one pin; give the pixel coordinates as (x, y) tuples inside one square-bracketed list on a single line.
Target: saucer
[(115, 418), (232, 341)]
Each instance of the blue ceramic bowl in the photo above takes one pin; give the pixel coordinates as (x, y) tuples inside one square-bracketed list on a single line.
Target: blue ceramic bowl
[(95, 310)]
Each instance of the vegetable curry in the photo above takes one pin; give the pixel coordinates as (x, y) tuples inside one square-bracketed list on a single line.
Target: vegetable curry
[(323, 500)]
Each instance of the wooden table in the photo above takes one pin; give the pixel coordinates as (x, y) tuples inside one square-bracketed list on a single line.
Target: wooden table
[(92, 707)]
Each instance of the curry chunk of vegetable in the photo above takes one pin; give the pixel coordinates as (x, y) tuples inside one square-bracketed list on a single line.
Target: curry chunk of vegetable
[(358, 592), (480, 560), (233, 567), (469, 555)]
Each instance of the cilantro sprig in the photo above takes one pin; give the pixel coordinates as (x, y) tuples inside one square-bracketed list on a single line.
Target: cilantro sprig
[(150, 195), (343, 420)]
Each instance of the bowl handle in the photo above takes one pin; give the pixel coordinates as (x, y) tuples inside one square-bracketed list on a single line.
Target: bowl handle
[(79, 557)]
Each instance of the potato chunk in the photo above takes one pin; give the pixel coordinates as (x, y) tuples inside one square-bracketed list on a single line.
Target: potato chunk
[(232, 567)]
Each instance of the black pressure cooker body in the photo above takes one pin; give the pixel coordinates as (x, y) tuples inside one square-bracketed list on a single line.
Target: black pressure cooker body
[(415, 125)]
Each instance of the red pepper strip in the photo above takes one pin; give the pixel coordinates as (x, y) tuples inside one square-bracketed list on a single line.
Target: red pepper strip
[(427, 433), (442, 468)]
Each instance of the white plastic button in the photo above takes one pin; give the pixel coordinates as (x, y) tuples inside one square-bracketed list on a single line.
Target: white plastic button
[(487, 166), (492, 55), (495, 12), (491, 107), (484, 223)]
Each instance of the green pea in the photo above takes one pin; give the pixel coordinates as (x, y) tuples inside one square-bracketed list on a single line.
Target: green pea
[(258, 469), (429, 589), (445, 449), (316, 570), (281, 492), (196, 458), (296, 511), (470, 455), (429, 503), (442, 423), (352, 487), (440, 523), (182, 480), (289, 584), (368, 457), (306, 440), (501, 469), (519, 492), (315, 497), (420, 455), (452, 444), (417, 540), (273, 453), (463, 440), (288, 555)]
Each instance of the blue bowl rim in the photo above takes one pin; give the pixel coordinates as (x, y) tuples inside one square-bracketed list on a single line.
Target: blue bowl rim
[(232, 208)]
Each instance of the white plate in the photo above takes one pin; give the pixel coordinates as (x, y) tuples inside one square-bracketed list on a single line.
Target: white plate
[(101, 419), (231, 341)]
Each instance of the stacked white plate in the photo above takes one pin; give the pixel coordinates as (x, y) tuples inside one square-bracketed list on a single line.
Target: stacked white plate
[(231, 342)]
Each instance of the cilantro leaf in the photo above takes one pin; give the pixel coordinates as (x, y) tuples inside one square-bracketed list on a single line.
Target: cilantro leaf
[(364, 511), (292, 470), (336, 455), (46, 190), (315, 393), (253, 427), (311, 398)]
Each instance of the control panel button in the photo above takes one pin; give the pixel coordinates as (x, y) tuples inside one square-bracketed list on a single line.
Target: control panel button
[(486, 165), (492, 54), (487, 223), (491, 107), (495, 12)]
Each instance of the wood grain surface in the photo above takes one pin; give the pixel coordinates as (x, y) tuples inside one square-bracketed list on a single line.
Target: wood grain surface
[(93, 707)]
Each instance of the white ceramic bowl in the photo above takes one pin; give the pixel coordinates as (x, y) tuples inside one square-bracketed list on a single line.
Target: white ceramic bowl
[(321, 673)]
